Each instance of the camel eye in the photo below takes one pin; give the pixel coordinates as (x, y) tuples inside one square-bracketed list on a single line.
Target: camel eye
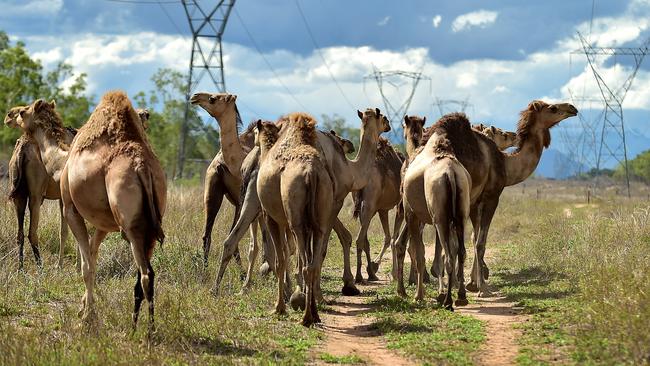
[(552, 108), (212, 99)]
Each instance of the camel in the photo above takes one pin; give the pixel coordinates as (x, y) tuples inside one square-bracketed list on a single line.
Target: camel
[(296, 191), (112, 179), (347, 145), (503, 139), (143, 113), (491, 171), (441, 179), (349, 175), (379, 196), (30, 184)]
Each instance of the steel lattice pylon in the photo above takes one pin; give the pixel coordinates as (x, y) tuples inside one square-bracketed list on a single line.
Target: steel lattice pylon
[(613, 99), (207, 24), (461, 105), (393, 112)]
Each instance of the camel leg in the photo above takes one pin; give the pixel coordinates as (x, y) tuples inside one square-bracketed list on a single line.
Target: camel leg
[(89, 270), (268, 252), (399, 219), (34, 218), (314, 271), (213, 196), (462, 253), (383, 218), (252, 253), (415, 233), (475, 217), (142, 249), (277, 234), (349, 289), (63, 234), (438, 269), (20, 204), (365, 216), (482, 271), (398, 258)]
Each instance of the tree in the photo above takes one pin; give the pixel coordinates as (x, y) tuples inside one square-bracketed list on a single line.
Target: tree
[(638, 168), (202, 141), (338, 125)]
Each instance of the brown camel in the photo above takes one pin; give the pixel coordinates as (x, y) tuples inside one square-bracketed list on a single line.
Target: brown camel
[(437, 176), (296, 191), (379, 196), (347, 145), (491, 171), (113, 179)]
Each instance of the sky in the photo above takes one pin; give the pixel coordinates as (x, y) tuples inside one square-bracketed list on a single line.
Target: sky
[(497, 55)]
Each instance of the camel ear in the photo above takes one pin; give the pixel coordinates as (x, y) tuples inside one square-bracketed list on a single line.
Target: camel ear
[(39, 104), (258, 125), (53, 103), (377, 113), (494, 130), (333, 132), (359, 114), (536, 106), (424, 120), (233, 98)]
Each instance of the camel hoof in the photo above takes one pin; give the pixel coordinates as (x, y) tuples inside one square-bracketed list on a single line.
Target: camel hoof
[(265, 269), (280, 310), (427, 279), (449, 307), (374, 266), (350, 290), (307, 322), (214, 292), (441, 298), (484, 293), (372, 277), (358, 279), (461, 302), (297, 301), (471, 287)]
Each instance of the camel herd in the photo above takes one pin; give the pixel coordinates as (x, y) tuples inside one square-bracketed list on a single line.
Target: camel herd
[(289, 180)]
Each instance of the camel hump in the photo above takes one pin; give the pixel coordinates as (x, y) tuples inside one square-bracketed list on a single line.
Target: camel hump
[(151, 204), (114, 120)]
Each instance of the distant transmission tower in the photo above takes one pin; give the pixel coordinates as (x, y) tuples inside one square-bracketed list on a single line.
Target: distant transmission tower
[(207, 26), (452, 105), (397, 79), (613, 99)]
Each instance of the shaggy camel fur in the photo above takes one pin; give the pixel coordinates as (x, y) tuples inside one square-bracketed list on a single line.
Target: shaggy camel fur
[(296, 191), (223, 177), (113, 179), (441, 179), (30, 184), (380, 195), (491, 171)]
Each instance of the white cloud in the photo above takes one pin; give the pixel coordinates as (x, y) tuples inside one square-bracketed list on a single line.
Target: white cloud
[(30, 9), (435, 21), (384, 21), (479, 18), (49, 57)]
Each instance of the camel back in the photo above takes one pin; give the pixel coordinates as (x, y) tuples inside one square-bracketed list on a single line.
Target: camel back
[(114, 121), (459, 138), (299, 140), (16, 166), (387, 159)]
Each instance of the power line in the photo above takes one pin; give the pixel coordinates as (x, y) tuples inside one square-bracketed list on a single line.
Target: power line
[(313, 40), (266, 61), (160, 3)]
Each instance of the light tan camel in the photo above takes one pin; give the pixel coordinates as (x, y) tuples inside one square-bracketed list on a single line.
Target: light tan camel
[(30, 184), (223, 177), (503, 139), (348, 175), (491, 171), (113, 179), (437, 176), (296, 191), (379, 196)]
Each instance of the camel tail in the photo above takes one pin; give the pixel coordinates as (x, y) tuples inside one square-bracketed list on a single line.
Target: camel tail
[(16, 166), (311, 211), (456, 218), (146, 179), (357, 197)]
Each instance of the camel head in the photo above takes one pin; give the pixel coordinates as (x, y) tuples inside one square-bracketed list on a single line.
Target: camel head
[(503, 139), (12, 116), (538, 118), (215, 104), (38, 114), (413, 127), (266, 134), (373, 123), (346, 144), (143, 113)]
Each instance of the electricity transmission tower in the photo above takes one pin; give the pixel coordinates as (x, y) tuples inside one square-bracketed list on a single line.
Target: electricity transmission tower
[(207, 25), (396, 79), (452, 105), (613, 98)]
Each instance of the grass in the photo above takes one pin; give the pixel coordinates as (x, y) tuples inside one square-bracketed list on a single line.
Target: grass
[(583, 279), (341, 360)]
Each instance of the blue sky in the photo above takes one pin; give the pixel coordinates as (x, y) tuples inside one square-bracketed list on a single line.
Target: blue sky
[(496, 54)]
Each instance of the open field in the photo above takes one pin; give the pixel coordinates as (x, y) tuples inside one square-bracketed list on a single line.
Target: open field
[(577, 274)]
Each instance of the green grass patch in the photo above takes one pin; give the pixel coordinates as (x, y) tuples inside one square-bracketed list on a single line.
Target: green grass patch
[(341, 360)]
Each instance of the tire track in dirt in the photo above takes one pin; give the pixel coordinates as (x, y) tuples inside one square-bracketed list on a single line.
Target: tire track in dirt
[(350, 333)]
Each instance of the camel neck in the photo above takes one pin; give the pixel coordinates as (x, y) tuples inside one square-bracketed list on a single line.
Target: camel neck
[(52, 155), (231, 148), (521, 164), (411, 146), (364, 160)]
